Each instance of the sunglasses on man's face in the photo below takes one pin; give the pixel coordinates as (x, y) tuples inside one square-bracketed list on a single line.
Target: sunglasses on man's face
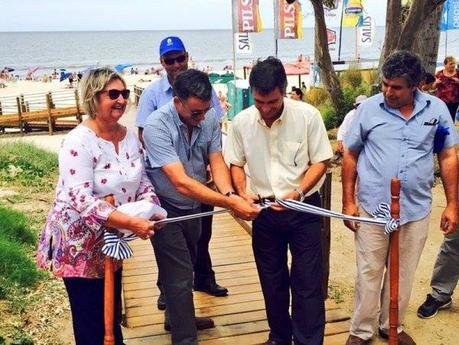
[(114, 94), (171, 61), (195, 113)]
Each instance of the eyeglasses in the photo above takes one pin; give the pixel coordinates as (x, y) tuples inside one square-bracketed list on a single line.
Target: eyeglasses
[(171, 61), (194, 113), (114, 94)]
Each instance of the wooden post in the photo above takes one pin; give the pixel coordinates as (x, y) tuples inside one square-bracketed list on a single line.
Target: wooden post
[(23, 105), (394, 263), (325, 193), (2, 129), (50, 117), (52, 105), (77, 101), (109, 293), (21, 124)]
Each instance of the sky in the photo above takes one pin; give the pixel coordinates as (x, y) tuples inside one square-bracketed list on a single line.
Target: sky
[(90, 15)]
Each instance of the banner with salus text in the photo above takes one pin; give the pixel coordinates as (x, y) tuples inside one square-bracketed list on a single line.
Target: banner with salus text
[(289, 20), (246, 16), (450, 16)]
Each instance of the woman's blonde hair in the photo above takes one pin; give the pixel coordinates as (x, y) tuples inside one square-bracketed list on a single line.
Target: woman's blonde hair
[(449, 59), (93, 82)]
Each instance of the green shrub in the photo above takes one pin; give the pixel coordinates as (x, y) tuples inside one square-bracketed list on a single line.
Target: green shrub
[(328, 115), (316, 96), (16, 268), (15, 227), (26, 165), (351, 77)]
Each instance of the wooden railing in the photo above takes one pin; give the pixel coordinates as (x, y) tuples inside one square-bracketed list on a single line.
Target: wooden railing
[(38, 111)]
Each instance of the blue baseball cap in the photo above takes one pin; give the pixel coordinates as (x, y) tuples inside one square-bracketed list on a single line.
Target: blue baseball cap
[(171, 44)]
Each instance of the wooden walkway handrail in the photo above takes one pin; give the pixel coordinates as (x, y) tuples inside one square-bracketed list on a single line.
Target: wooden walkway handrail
[(44, 113)]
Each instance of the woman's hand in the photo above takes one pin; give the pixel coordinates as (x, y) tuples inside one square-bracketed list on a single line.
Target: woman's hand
[(143, 228), (158, 216)]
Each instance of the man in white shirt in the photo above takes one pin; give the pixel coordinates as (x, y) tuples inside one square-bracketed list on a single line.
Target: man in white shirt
[(285, 146), (346, 124)]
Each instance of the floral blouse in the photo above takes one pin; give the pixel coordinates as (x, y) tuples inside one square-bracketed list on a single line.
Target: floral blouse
[(89, 169), (447, 89)]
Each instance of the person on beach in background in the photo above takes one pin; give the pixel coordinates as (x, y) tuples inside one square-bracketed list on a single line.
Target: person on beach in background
[(392, 135), (99, 157), (304, 88), (223, 102), (286, 149), (174, 59), (296, 94), (343, 130), (447, 85), (182, 139)]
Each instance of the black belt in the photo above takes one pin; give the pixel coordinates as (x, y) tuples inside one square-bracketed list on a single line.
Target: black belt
[(261, 199)]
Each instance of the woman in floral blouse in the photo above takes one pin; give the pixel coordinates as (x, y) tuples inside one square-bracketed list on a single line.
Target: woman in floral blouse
[(447, 85), (98, 158)]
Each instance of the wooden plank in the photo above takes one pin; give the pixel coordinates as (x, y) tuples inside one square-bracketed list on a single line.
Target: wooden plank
[(218, 334)]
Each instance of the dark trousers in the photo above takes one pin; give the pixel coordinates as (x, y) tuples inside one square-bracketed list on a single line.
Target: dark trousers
[(452, 107), (86, 298), (273, 233), (175, 251), (203, 273)]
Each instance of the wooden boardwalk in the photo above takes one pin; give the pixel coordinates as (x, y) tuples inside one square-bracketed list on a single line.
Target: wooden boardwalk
[(239, 317)]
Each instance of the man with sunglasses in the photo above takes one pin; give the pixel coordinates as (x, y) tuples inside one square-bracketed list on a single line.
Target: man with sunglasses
[(181, 139), (174, 59)]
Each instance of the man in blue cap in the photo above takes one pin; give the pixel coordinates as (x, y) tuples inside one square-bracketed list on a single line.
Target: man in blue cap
[(174, 59)]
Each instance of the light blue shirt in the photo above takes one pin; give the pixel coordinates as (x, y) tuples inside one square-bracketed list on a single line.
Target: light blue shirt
[(166, 141), (158, 94), (391, 146)]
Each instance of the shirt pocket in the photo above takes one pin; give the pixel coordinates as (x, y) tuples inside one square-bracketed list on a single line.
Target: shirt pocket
[(424, 137), (290, 152)]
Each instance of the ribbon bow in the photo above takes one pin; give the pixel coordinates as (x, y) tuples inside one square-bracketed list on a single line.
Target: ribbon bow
[(117, 247), (383, 212)]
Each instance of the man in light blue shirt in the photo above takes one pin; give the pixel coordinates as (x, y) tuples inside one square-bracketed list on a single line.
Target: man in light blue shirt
[(174, 59), (393, 135), (182, 138)]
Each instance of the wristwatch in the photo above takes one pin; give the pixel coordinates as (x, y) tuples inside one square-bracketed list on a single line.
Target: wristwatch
[(300, 192), (230, 193)]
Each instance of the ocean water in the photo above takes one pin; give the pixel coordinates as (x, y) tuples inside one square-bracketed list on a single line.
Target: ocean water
[(76, 51)]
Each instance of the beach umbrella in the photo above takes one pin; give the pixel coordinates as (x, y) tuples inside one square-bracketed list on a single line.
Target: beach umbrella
[(64, 76), (120, 68)]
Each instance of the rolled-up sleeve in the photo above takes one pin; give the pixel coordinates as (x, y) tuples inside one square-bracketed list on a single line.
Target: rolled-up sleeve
[(234, 151), (319, 148)]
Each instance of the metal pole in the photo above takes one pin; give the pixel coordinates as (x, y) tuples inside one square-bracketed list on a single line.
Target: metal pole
[(234, 22), (340, 31), (276, 27)]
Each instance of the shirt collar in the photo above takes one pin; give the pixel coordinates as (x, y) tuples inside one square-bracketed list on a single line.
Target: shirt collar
[(421, 101), (165, 85)]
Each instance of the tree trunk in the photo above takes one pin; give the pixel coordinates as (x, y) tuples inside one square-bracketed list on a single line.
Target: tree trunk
[(420, 10), (428, 48), (393, 28), (323, 60)]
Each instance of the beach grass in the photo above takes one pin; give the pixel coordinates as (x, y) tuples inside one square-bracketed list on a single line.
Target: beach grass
[(25, 165)]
